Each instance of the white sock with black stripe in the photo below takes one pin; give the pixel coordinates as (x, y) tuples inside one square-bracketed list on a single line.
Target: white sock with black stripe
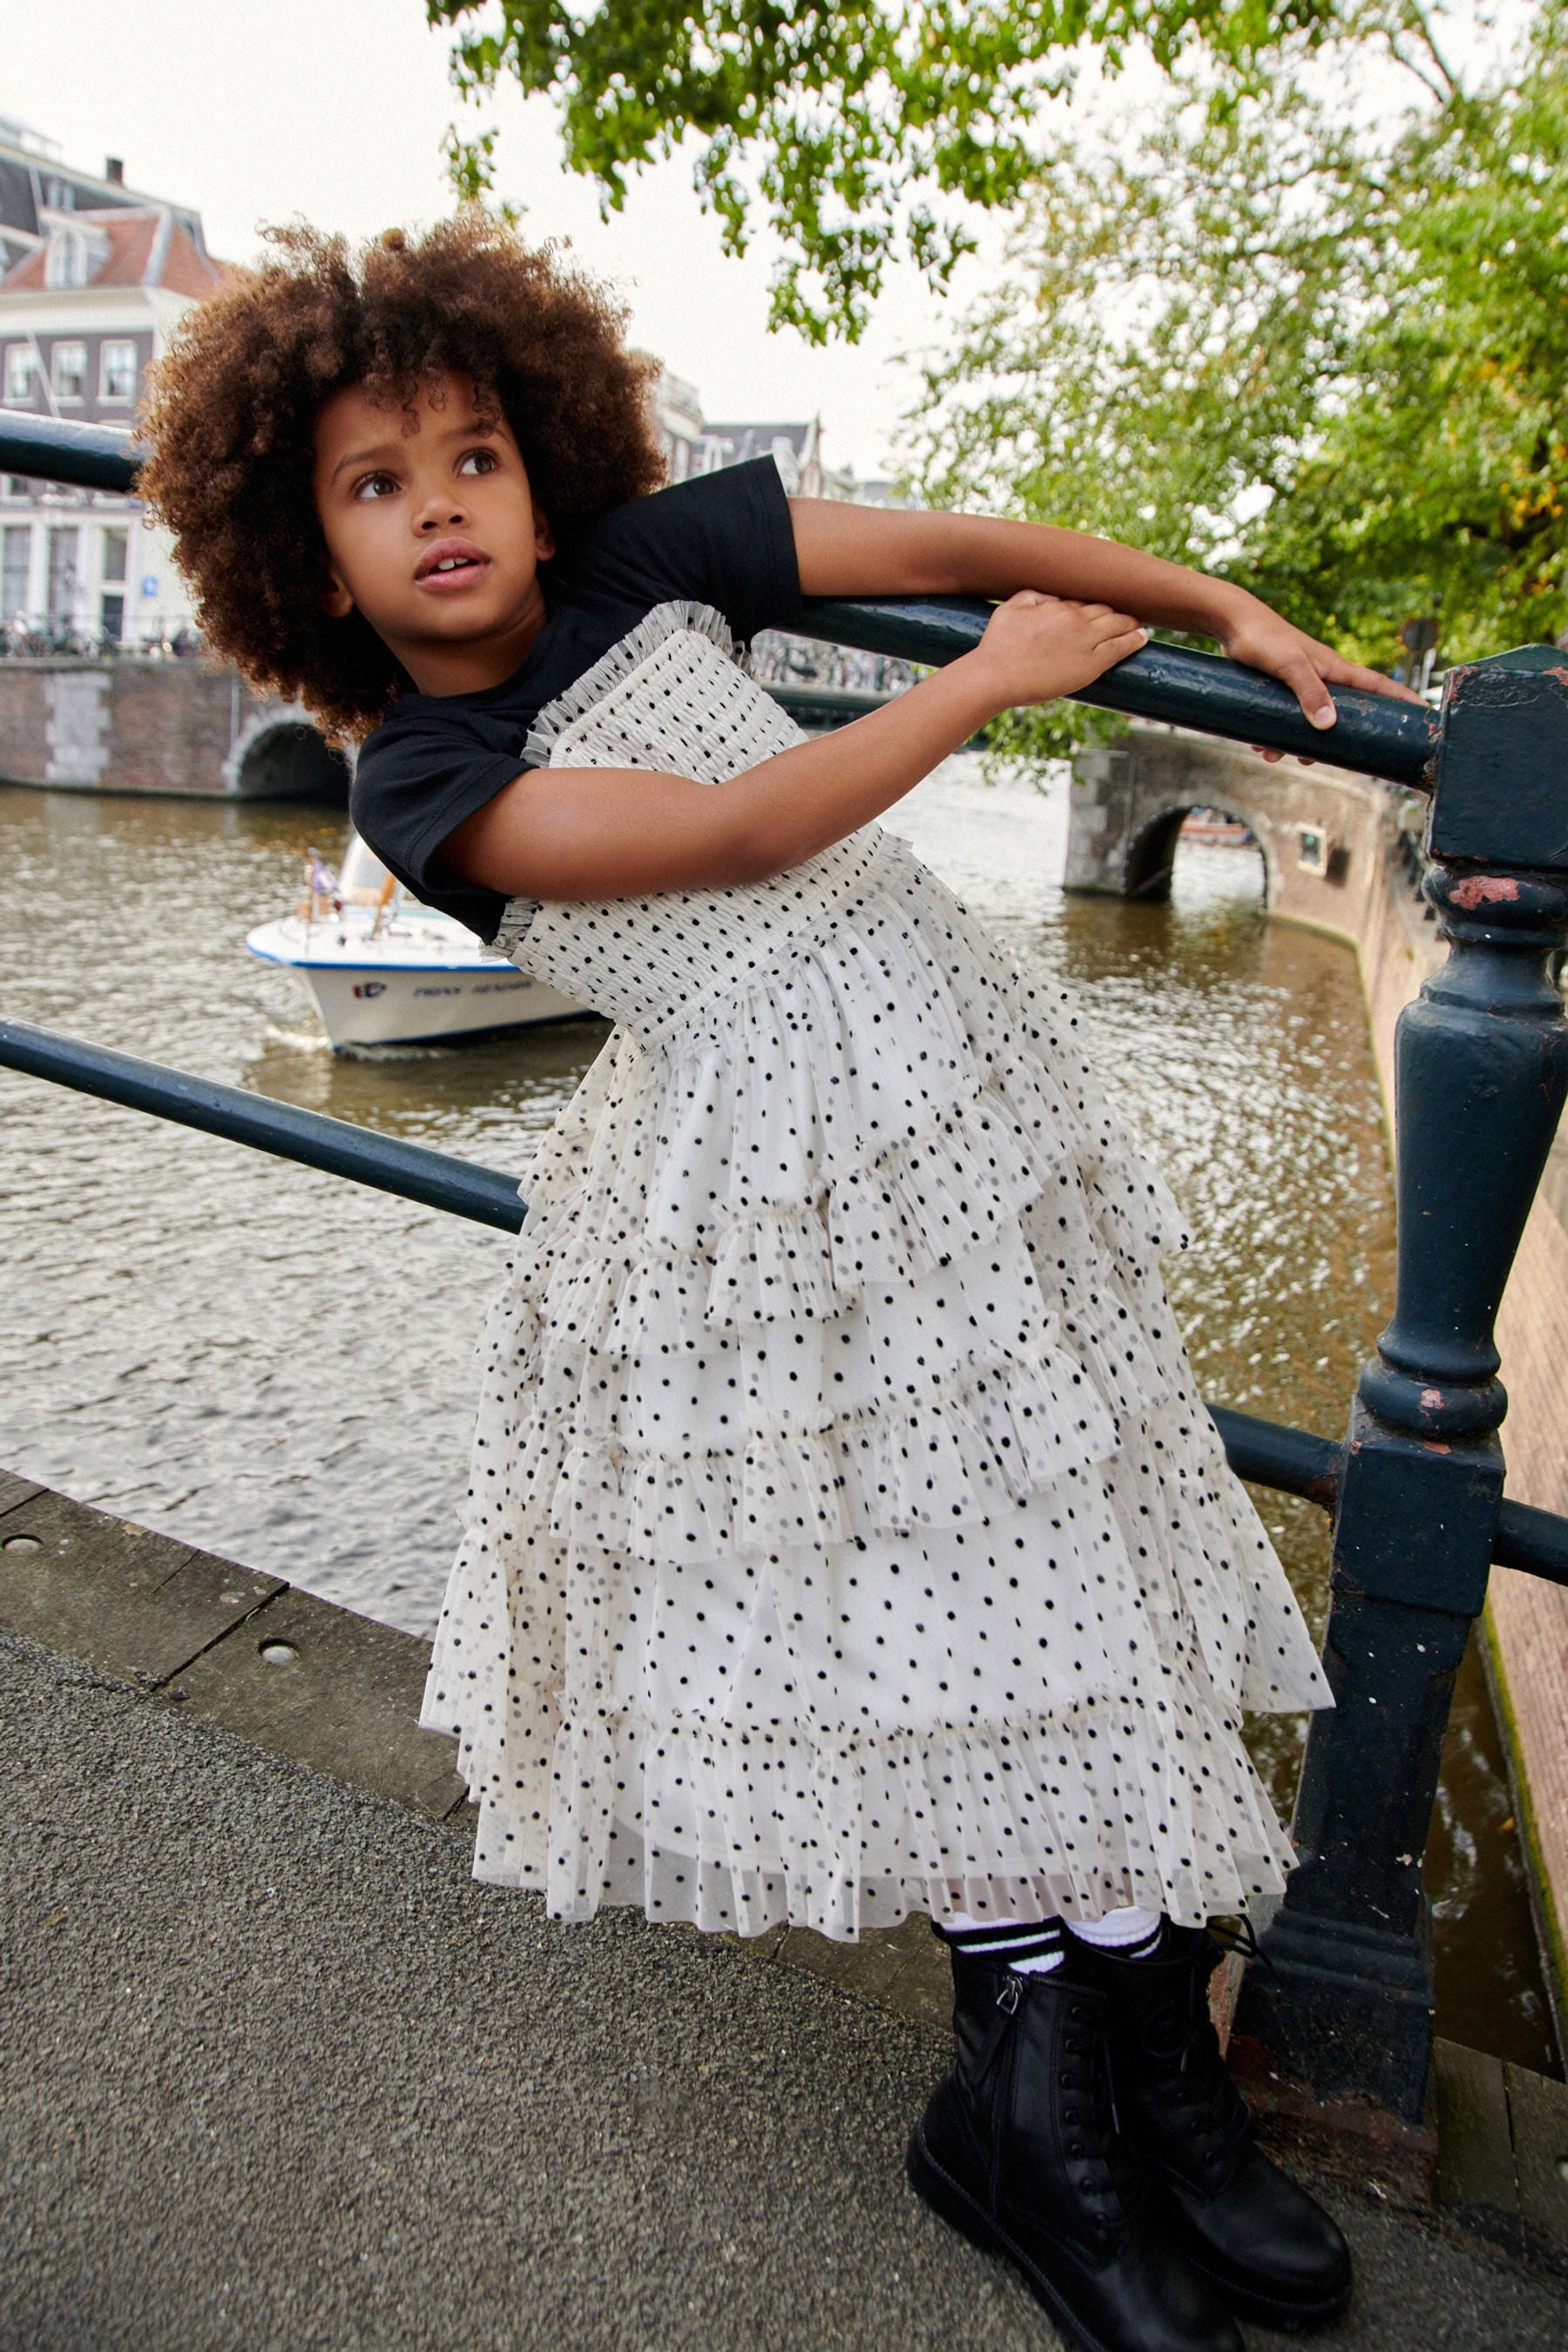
[(1133, 1932), (1033, 1946)]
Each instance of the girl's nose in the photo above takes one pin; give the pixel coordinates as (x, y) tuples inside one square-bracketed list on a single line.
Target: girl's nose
[(441, 513)]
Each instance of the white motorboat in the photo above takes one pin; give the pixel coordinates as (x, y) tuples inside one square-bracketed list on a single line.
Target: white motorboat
[(385, 971)]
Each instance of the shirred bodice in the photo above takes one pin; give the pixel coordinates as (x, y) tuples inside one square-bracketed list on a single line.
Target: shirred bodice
[(673, 697)]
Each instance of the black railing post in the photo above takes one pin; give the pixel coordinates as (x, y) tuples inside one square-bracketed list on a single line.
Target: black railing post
[(1481, 1074)]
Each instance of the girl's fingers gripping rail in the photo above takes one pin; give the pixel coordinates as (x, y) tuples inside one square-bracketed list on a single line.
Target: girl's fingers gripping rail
[(1038, 646)]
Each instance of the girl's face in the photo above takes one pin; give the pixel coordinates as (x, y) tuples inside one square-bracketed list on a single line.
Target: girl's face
[(432, 534)]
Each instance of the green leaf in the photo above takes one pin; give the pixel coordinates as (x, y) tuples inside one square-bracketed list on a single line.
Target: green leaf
[(836, 125)]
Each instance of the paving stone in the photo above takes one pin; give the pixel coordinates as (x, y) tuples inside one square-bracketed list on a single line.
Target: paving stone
[(334, 1691), (903, 1969), (1538, 2109), (922, 1989), (119, 1597), (15, 1490), (1475, 2160), (867, 1967)]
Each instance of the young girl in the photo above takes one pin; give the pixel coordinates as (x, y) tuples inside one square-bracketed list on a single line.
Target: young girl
[(845, 1537)]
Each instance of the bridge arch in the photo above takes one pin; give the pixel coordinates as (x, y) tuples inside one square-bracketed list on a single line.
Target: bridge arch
[(1319, 831), (1150, 857), (282, 754)]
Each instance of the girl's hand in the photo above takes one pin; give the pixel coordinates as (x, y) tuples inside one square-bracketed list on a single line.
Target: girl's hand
[(1263, 639), (1036, 646)]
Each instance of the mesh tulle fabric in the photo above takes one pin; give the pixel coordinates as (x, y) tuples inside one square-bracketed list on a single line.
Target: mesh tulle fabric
[(846, 1535)]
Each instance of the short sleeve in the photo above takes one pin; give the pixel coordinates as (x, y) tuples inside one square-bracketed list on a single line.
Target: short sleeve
[(413, 786), (724, 539)]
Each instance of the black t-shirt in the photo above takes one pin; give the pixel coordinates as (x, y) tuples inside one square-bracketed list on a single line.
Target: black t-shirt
[(724, 539)]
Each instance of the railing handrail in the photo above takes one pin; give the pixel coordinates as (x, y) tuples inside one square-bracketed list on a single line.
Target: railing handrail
[(484, 1194), (1374, 736), (55, 449)]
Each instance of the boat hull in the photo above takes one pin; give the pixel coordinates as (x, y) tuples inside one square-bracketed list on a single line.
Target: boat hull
[(421, 981), (421, 1008)]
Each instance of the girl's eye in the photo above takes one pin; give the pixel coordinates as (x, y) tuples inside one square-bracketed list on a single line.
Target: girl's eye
[(375, 485), (478, 461)]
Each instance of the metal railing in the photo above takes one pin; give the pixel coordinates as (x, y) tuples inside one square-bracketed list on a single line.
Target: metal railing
[(1415, 1490), (144, 637)]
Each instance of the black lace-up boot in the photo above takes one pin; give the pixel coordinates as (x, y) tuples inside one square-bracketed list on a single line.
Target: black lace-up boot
[(1019, 2151), (1274, 2255)]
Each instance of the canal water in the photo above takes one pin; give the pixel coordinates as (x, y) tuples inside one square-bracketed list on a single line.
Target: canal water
[(282, 1367)]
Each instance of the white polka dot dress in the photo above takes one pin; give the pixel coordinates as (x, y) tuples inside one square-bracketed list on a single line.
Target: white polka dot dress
[(845, 1537)]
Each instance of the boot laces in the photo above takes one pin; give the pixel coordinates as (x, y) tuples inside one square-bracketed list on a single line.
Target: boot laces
[(1195, 2087), (1238, 1935), (1105, 2172)]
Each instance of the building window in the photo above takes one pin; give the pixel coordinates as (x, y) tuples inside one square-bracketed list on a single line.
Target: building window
[(112, 615), (65, 264), (65, 542), (21, 376), (16, 562), (117, 371), (68, 370), (116, 547), (74, 255)]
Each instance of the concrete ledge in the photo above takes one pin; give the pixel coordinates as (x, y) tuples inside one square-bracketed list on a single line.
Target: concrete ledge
[(281, 1668), (333, 1691), (117, 1596)]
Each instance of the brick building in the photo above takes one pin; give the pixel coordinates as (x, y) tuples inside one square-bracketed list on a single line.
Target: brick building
[(95, 278)]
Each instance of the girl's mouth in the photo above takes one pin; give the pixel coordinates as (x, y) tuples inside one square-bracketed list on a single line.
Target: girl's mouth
[(450, 564)]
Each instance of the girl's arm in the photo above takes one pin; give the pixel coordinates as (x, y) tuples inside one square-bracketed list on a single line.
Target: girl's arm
[(849, 551), (616, 833)]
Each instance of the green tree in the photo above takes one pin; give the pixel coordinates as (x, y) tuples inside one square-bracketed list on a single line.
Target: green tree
[(1434, 476), (858, 130), (1332, 364)]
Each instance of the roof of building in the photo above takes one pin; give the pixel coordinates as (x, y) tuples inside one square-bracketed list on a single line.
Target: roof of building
[(759, 440), (144, 245)]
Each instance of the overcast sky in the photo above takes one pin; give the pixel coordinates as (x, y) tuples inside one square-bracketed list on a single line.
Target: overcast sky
[(259, 109)]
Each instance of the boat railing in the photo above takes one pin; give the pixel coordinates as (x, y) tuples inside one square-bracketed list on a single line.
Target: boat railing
[(1415, 1490)]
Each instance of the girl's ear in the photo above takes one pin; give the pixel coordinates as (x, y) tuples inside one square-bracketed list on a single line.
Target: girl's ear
[(543, 537), (336, 601)]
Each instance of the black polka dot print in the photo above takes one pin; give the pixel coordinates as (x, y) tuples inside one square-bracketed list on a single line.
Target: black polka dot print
[(845, 1537)]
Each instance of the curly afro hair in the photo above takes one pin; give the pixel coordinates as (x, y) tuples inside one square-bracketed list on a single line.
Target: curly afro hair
[(233, 406)]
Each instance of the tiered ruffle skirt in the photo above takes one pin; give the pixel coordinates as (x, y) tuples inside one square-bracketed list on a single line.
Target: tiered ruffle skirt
[(845, 1537)]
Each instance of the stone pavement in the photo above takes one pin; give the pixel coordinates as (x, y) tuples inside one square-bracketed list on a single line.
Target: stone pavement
[(276, 2073)]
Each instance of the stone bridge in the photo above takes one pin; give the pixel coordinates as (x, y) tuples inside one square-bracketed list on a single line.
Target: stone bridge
[(1323, 833), (190, 729), (184, 728)]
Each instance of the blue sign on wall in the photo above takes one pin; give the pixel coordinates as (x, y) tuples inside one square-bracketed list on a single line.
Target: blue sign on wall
[(148, 584)]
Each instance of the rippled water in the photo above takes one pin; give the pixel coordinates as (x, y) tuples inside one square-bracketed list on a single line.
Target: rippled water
[(280, 1366)]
